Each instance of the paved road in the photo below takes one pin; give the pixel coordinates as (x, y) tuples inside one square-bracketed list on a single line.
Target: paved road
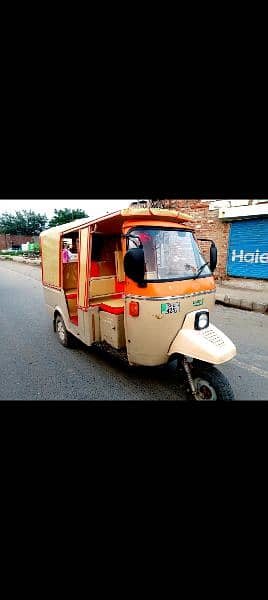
[(33, 365)]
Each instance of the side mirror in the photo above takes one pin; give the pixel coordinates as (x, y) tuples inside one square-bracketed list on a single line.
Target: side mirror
[(213, 257), (134, 265)]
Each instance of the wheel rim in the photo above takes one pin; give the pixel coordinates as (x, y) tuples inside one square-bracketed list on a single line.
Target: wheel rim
[(61, 330), (204, 389)]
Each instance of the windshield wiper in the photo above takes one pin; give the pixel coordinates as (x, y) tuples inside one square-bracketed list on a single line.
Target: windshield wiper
[(200, 270)]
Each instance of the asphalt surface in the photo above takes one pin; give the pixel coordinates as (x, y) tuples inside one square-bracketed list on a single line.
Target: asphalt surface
[(34, 366)]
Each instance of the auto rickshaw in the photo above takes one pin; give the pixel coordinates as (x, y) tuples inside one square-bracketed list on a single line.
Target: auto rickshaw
[(137, 284)]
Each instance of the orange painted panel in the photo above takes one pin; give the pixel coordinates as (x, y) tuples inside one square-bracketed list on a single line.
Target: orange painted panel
[(171, 288)]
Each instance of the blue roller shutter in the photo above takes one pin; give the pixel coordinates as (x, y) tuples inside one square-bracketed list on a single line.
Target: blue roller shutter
[(248, 249)]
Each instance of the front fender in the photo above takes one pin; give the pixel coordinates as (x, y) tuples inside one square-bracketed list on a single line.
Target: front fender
[(209, 345)]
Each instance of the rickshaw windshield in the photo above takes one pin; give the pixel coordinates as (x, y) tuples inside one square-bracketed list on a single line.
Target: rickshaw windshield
[(169, 254)]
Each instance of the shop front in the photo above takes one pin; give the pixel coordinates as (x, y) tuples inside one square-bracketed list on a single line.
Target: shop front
[(248, 248)]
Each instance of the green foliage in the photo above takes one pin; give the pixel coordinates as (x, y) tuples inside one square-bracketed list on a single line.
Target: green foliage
[(11, 253), (25, 222), (66, 215)]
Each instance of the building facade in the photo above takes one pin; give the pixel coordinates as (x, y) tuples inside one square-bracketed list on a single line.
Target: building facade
[(8, 241)]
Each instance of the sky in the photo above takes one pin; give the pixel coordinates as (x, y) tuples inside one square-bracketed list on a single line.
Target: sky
[(93, 208)]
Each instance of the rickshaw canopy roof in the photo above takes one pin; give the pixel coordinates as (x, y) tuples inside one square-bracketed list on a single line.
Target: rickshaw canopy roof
[(113, 222)]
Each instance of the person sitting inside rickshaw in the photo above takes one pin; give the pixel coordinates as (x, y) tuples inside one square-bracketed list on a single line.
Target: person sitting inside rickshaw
[(66, 254)]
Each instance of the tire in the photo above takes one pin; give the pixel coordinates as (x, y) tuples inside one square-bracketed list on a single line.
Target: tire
[(211, 384), (64, 337)]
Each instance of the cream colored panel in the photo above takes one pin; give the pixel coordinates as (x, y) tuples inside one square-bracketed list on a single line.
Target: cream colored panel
[(51, 258), (89, 325), (55, 300), (120, 273), (112, 329), (83, 269), (102, 286), (210, 344), (150, 335), (53, 297)]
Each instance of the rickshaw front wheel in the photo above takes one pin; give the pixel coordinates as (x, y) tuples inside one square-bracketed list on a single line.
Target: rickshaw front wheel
[(211, 385), (64, 336)]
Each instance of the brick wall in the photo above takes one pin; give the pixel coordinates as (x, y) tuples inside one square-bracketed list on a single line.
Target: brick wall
[(7, 240), (208, 225)]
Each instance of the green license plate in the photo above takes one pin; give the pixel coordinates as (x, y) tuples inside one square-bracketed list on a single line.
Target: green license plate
[(170, 308)]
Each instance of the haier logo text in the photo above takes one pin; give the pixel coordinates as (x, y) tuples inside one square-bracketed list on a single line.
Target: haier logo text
[(250, 257)]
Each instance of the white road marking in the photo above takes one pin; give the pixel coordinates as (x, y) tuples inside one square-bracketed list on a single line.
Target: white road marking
[(251, 368)]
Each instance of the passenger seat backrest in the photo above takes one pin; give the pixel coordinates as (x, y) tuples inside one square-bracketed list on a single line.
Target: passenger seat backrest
[(102, 286), (70, 275), (106, 268)]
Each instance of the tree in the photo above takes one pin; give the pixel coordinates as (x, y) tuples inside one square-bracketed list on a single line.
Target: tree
[(25, 222), (66, 215)]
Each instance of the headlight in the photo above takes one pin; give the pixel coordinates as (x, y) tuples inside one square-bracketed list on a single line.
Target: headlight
[(201, 320)]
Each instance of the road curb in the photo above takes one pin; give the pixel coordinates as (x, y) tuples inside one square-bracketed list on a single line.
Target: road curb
[(241, 303)]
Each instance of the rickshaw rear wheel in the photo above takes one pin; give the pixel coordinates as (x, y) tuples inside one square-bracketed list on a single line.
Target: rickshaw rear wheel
[(64, 337), (211, 385)]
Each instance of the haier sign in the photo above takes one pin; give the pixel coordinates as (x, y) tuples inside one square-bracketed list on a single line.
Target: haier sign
[(250, 257), (248, 249)]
